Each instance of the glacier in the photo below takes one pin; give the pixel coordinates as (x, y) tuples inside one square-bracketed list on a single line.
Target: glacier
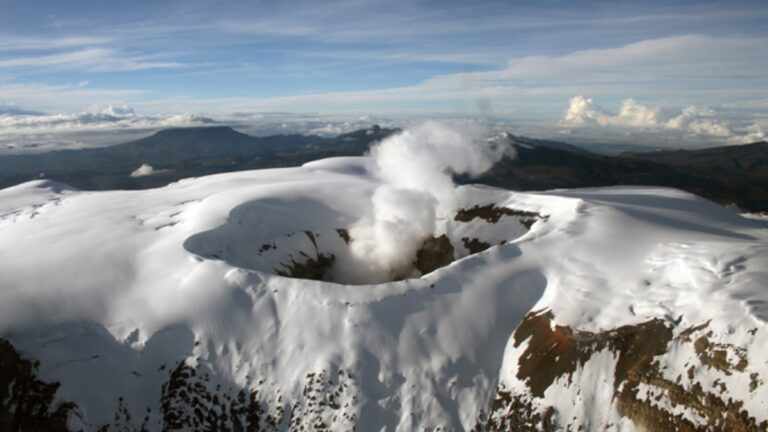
[(621, 308)]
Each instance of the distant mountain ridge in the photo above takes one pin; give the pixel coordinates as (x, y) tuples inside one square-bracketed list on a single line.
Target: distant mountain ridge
[(163, 147), (732, 174), (747, 158), (729, 174), (521, 141), (181, 152)]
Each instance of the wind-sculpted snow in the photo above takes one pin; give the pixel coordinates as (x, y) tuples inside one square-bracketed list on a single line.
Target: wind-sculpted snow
[(165, 309)]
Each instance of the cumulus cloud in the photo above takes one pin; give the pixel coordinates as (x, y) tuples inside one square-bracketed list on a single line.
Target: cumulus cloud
[(758, 131), (417, 192), (581, 112), (700, 121), (692, 120), (584, 112)]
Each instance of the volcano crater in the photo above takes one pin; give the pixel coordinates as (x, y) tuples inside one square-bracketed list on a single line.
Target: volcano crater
[(324, 253)]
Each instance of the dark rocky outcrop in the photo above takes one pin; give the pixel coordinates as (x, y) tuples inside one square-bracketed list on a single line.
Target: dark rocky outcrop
[(434, 253), (553, 352), (492, 214), (314, 266), (474, 245), (26, 402)]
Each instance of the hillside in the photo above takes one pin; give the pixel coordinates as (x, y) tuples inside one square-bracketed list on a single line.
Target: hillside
[(219, 303), (180, 153), (733, 174), (747, 159), (726, 175), (163, 146)]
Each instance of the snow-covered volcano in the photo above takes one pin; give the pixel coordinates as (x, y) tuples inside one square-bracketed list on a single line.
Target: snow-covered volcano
[(193, 307)]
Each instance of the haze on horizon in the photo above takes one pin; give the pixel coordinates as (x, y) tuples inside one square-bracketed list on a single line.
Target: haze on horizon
[(662, 73)]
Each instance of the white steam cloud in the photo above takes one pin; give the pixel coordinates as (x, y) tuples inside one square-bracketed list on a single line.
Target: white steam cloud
[(416, 194)]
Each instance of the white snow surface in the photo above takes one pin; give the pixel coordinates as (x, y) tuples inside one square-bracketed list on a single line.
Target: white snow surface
[(106, 287)]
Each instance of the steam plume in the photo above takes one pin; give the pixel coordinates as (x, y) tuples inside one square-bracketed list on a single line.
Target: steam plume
[(417, 193)]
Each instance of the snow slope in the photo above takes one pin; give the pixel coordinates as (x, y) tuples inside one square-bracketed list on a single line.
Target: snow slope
[(162, 308)]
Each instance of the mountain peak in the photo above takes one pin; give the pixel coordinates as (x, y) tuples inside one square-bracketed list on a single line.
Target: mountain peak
[(196, 130)]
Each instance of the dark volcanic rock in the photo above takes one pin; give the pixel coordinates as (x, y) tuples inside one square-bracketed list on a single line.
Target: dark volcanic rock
[(553, 352), (727, 174), (492, 214), (434, 253), (26, 402)]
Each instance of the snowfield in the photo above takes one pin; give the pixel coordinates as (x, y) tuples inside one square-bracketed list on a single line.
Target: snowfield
[(166, 309)]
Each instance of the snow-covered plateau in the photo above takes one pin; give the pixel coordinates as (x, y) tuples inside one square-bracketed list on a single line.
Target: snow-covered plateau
[(217, 303)]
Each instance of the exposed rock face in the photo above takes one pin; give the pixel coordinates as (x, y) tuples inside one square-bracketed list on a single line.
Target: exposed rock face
[(474, 245), (642, 391), (552, 355), (26, 403), (313, 266), (491, 214), (315, 261), (189, 400), (436, 252), (192, 400)]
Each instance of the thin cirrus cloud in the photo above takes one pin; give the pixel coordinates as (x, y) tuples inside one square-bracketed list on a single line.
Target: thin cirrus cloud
[(420, 22), (59, 98), (518, 61), (680, 69), (669, 58), (10, 42), (88, 59)]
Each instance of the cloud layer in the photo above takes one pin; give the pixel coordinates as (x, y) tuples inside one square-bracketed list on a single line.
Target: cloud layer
[(114, 117), (529, 87), (692, 122), (94, 59), (32, 132)]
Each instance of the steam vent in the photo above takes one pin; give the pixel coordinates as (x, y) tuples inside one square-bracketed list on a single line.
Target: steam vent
[(324, 254)]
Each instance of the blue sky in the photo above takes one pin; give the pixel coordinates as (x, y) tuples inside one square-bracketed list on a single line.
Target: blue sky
[(523, 61)]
